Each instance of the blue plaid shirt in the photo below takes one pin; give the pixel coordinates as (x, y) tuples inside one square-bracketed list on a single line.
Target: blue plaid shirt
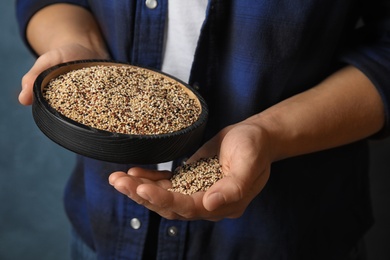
[(250, 55)]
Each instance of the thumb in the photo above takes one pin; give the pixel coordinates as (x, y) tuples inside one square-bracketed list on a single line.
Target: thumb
[(42, 63), (223, 192), (26, 94)]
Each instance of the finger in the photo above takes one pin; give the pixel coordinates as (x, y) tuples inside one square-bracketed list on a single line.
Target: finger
[(156, 197), (149, 174), (42, 63), (127, 185), (232, 194), (123, 183), (150, 193), (223, 192), (115, 176), (161, 198), (173, 205)]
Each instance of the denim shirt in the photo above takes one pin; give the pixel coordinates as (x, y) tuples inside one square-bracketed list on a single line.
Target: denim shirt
[(250, 55)]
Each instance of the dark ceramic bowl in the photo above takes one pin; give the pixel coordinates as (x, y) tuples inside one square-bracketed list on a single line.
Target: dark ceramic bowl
[(108, 146)]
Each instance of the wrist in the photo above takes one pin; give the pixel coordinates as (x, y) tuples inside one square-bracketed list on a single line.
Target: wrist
[(270, 129), (86, 44)]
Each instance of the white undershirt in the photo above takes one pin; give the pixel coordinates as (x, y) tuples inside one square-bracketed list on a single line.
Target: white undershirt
[(185, 18)]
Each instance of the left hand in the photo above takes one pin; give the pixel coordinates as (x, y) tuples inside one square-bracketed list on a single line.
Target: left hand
[(245, 155)]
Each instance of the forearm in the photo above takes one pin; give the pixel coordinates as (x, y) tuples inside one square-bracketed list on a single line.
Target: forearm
[(342, 109), (62, 24), (60, 33)]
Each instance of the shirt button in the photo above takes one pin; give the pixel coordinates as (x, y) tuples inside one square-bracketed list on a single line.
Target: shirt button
[(135, 223), (151, 4), (172, 231)]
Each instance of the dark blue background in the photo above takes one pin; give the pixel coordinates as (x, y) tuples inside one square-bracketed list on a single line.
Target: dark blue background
[(33, 170)]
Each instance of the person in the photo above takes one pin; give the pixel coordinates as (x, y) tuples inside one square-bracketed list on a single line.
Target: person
[(295, 90)]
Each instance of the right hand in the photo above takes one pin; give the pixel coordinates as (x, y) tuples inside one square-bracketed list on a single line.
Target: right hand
[(245, 151), (51, 58)]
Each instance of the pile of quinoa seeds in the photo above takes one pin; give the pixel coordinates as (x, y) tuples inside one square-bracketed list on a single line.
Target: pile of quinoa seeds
[(122, 99), (196, 176)]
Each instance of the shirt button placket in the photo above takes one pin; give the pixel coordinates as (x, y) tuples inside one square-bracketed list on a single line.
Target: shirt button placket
[(171, 243), (151, 4)]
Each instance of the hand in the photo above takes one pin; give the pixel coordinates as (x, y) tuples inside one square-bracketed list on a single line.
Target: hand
[(51, 58), (244, 153)]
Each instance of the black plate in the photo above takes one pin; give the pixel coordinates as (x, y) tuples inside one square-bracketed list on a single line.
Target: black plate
[(108, 146)]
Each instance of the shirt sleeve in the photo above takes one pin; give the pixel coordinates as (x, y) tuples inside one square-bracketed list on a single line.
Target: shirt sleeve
[(369, 51), (25, 9)]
